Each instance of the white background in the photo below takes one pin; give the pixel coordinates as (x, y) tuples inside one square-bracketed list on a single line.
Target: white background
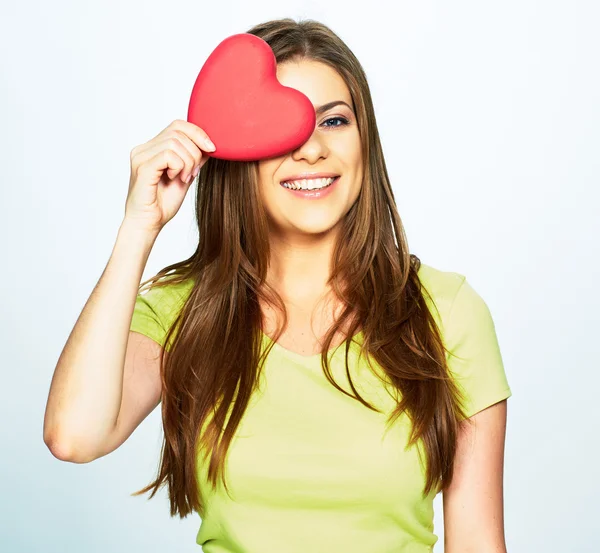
[(489, 117)]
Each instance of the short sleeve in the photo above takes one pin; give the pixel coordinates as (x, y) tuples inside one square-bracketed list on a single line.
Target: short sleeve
[(156, 309), (474, 356)]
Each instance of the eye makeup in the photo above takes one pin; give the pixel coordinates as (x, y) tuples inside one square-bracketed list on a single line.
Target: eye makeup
[(343, 123)]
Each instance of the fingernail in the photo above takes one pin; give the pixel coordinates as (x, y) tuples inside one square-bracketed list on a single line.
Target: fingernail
[(196, 171), (209, 144)]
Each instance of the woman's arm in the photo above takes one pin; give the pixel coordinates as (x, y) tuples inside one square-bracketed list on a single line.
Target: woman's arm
[(474, 504), (86, 405)]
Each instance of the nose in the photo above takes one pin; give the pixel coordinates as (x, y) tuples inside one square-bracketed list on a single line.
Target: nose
[(313, 149)]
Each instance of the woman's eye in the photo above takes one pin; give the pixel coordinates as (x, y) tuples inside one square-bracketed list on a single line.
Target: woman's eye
[(342, 119)]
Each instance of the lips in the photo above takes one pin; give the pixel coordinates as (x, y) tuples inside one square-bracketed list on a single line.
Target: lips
[(308, 176), (316, 194)]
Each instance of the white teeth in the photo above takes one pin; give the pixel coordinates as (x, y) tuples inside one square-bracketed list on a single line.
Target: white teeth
[(308, 184)]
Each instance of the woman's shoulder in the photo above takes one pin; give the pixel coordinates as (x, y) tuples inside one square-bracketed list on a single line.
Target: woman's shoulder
[(167, 296), (458, 308), (441, 287), (469, 334)]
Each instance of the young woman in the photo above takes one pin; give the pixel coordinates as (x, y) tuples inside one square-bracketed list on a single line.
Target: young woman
[(319, 384)]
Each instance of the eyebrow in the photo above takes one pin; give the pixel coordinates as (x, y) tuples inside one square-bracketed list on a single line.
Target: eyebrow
[(326, 107)]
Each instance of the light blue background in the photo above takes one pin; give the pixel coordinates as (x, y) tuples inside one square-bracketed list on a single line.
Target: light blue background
[(489, 116)]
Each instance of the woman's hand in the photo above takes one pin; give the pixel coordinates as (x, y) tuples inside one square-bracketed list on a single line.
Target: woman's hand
[(162, 170)]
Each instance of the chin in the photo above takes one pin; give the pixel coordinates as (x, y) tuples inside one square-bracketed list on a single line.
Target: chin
[(314, 227)]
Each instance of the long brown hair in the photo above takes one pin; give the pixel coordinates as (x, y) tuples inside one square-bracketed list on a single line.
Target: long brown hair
[(211, 362)]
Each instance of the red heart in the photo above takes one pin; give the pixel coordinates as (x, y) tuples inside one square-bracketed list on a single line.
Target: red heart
[(244, 109)]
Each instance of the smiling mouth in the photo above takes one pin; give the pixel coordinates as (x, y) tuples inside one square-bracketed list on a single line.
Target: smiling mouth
[(319, 184)]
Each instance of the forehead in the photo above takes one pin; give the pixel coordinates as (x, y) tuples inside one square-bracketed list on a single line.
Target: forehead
[(316, 80)]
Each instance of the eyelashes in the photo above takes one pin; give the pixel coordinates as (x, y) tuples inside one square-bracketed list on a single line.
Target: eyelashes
[(342, 119)]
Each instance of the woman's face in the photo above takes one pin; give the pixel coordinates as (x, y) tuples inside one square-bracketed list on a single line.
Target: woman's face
[(334, 147)]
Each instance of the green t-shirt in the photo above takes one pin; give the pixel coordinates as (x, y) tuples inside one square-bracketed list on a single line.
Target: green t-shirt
[(310, 469)]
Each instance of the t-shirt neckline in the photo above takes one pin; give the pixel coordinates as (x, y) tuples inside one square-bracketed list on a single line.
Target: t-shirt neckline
[(311, 359)]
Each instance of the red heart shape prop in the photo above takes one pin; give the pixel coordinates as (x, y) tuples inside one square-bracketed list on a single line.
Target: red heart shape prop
[(246, 112)]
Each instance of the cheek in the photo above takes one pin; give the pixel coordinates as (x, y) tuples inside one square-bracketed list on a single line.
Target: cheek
[(269, 193), (267, 170), (349, 149), (359, 175)]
